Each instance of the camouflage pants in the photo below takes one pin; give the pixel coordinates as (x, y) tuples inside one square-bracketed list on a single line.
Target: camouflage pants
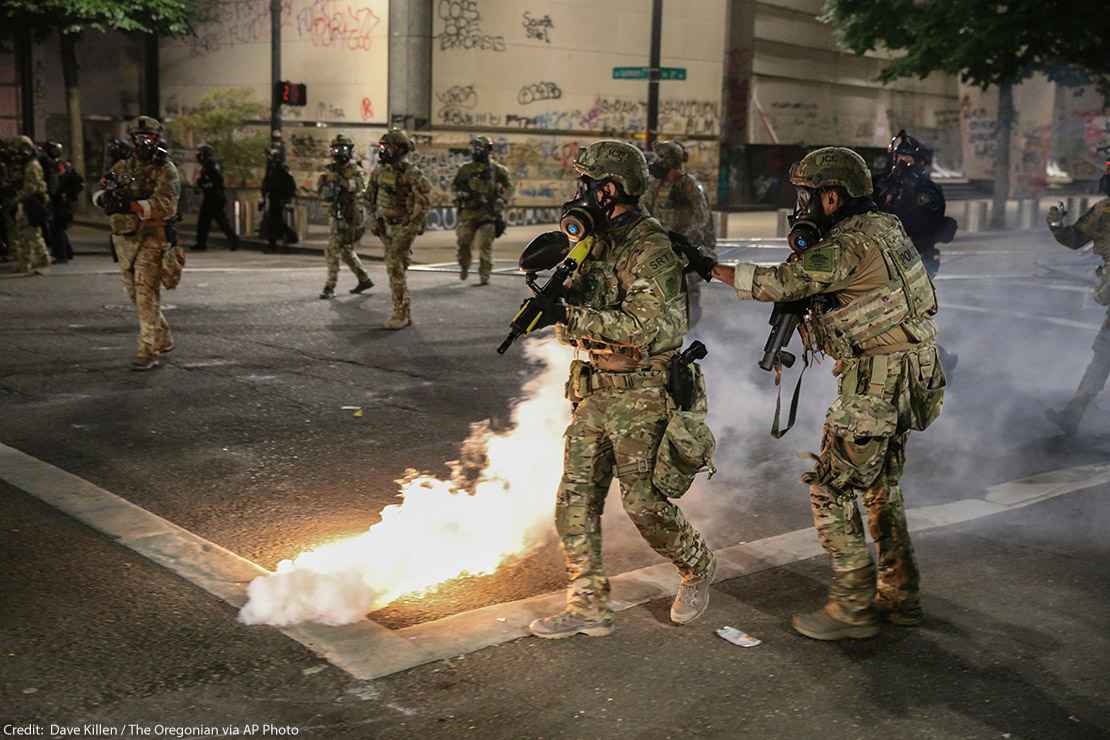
[(336, 249), (863, 454), (29, 245), (471, 236), (398, 254), (617, 432), (140, 264)]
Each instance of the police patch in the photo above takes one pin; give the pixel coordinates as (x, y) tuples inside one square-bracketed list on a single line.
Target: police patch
[(818, 260)]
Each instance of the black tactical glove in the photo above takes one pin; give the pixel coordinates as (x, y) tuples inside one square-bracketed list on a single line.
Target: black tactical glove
[(550, 311), (703, 265)]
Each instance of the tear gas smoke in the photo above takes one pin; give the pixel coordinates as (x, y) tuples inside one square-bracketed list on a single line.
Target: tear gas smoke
[(499, 503)]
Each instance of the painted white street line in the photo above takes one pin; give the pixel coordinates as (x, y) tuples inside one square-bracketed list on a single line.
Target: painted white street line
[(1070, 323), (218, 571), (367, 650)]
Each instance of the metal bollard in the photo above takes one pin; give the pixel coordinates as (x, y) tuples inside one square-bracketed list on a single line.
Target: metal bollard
[(1084, 204), (722, 224), (1027, 213), (300, 221), (978, 215)]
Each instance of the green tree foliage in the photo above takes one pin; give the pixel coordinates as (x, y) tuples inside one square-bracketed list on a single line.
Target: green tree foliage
[(984, 43), (218, 121), (164, 17)]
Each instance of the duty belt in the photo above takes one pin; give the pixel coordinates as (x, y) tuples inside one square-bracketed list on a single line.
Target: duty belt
[(585, 380)]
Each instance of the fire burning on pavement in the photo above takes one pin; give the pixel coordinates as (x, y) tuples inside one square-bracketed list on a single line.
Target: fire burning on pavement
[(499, 504)]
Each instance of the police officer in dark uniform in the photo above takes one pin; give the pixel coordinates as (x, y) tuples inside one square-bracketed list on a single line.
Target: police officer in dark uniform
[(278, 190), (213, 205), (65, 185), (906, 191)]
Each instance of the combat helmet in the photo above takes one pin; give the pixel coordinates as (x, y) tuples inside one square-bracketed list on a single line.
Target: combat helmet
[(613, 160), (146, 134), (394, 145), (24, 148), (671, 154), (342, 148), (833, 166), (146, 125)]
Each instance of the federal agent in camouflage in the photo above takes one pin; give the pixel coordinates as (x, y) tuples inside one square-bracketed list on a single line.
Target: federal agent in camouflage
[(878, 325), (32, 214), (397, 198), (142, 211), (342, 186), (627, 309), (482, 190), (1092, 226), (677, 200)]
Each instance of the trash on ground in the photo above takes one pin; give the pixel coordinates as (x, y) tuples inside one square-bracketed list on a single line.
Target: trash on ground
[(738, 637)]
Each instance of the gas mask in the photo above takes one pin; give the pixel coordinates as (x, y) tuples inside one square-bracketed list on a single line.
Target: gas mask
[(147, 146), (479, 154), (589, 212), (387, 154), (657, 169), (808, 222), (341, 153)]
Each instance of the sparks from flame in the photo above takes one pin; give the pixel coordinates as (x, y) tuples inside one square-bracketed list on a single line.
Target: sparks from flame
[(437, 532)]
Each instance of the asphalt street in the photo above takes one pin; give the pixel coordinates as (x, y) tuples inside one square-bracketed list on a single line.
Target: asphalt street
[(283, 421)]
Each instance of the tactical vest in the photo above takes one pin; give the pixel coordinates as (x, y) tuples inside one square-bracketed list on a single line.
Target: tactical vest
[(145, 176), (908, 300), (599, 286), (394, 191)]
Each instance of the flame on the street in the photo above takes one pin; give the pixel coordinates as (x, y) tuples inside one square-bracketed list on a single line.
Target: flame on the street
[(437, 532)]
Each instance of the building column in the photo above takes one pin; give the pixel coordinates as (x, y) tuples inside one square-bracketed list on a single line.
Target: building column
[(734, 182), (410, 63)]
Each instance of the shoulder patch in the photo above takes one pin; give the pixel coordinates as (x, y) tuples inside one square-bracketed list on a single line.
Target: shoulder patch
[(819, 260)]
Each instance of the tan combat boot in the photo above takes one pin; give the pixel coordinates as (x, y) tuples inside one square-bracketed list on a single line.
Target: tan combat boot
[(399, 320), (144, 361), (569, 624), (692, 598), (849, 614)]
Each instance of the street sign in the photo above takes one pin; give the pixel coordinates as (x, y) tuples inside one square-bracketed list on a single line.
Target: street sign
[(644, 73)]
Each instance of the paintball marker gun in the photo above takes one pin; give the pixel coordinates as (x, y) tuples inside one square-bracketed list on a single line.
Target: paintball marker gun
[(117, 195), (549, 250)]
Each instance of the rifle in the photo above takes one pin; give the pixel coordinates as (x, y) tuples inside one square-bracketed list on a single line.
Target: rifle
[(786, 316), (543, 253)]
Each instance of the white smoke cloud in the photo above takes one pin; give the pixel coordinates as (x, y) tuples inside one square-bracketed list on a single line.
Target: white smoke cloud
[(499, 503)]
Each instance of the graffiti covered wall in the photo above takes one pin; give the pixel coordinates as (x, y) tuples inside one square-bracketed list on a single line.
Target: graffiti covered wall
[(338, 48)]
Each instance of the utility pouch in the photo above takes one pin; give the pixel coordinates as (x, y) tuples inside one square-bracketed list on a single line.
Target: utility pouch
[(173, 265), (171, 233), (578, 384), (499, 227), (926, 381), (687, 446)]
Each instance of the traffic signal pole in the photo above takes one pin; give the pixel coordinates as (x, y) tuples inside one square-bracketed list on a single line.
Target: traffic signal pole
[(654, 72), (275, 65)]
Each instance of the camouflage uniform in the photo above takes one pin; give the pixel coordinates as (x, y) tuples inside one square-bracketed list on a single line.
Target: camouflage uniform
[(482, 189), (397, 199), (139, 240), (344, 182), (29, 244), (627, 309), (680, 205), (881, 332), (1092, 226)]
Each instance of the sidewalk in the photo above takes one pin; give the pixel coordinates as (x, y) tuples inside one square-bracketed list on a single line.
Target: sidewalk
[(432, 247), (438, 247)]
